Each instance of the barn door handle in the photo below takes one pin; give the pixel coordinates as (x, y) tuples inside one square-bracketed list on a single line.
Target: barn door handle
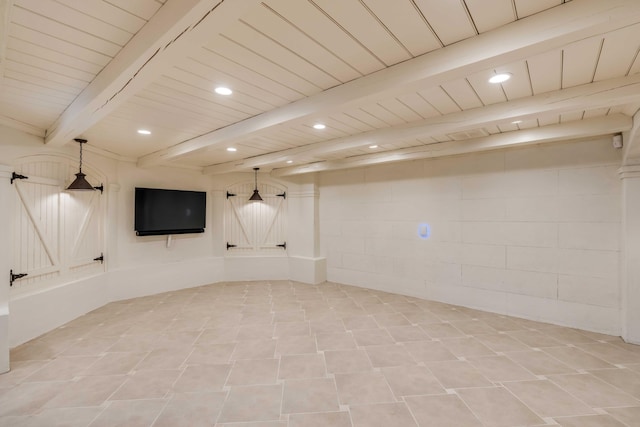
[(229, 245), (283, 246), (14, 277), (100, 258)]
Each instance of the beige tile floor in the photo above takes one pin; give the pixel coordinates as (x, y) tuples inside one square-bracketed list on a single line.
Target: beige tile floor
[(287, 354)]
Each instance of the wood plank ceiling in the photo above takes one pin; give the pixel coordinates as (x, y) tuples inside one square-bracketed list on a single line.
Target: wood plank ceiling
[(390, 80)]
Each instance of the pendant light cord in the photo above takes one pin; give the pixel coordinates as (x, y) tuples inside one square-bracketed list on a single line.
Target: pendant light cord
[(80, 167)]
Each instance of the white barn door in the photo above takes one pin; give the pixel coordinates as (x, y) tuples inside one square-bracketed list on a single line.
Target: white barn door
[(255, 227), (57, 234)]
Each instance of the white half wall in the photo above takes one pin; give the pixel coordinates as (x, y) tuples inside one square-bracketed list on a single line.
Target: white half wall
[(531, 232), (308, 270), (39, 312), (35, 313), (133, 282), (256, 268), (6, 229), (138, 266)]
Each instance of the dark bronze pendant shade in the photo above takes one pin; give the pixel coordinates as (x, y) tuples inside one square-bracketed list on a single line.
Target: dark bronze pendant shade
[(81, 183), (255, 197)]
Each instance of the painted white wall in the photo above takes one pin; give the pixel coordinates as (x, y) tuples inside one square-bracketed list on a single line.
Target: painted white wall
[(137, 266), (6, 224), (531, 232), (630, 176)]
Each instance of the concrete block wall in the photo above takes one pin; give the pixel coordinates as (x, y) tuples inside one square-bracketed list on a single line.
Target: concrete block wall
[(532, 232)]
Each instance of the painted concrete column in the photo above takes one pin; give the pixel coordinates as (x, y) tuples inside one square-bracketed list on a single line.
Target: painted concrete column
[(6, 237), (111, 227), (215, 220), (303, 246), (630, 271)]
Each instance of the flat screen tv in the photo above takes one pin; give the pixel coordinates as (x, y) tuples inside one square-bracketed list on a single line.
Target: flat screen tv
[(161, 212)]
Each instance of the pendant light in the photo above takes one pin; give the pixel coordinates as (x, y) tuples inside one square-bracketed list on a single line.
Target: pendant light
[(255, 197), (80, 183)]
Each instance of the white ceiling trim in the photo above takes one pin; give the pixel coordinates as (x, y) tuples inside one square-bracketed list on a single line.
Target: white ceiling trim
[(25, 127), (178, 28), (552, 133), (590, 96), (542, 32)]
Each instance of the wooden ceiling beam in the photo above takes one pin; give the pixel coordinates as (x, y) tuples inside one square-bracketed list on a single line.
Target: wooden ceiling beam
[(178, 28), (552, 133), (536, 34), (579, 98)]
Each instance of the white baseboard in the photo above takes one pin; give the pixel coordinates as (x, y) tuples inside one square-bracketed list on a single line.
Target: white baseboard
[(33, 314)]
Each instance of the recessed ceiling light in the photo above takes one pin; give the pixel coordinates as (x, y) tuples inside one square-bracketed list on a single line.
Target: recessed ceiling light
[(319, 126), (500, 78), (516, 122), (373, 146), (221, 90), (232, 149), (289, 161), (144, 132)]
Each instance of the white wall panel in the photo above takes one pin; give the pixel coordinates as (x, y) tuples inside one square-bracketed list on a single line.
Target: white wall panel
[(255, 227), (588, 290), (484, 255), (531, 210), (531, 232), (541, 285), (532, 259), (57, 233), (590, 235), (590, 263), (511, 233), (536, 284), (483, 210), (589, 208), (591, 180)]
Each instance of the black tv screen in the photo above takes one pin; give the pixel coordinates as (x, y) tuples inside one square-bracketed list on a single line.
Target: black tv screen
[(159, 211)]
